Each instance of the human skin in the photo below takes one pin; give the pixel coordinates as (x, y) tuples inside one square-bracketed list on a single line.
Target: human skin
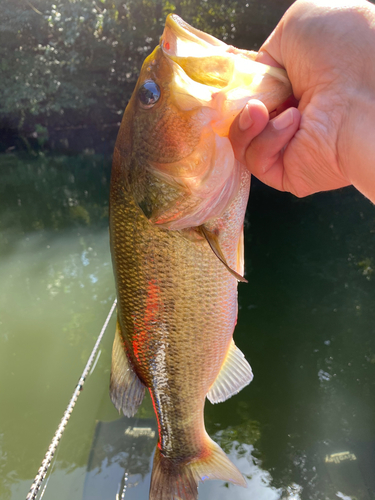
[(328, 140)]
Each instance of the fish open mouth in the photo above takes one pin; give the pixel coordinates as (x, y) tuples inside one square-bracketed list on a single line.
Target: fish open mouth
[(211, 62)]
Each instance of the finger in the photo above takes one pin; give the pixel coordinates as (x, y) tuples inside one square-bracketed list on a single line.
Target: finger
[(247, 125), (264, 156), (265, 58)]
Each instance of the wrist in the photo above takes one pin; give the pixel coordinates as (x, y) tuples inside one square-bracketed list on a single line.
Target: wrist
[(356, 143)]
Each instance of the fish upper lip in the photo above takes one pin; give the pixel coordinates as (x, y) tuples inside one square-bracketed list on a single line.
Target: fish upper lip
[(187, 46), (180, 42), (205, 66), (182, 30)]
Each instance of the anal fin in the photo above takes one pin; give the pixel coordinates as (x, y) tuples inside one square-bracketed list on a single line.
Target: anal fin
[(234, 375), (215, 247), (126, 390)]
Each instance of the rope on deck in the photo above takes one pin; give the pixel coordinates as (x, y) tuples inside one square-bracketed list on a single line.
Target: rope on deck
[(39, 478)]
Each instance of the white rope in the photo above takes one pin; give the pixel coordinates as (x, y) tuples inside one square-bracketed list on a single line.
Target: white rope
[(39, 478)]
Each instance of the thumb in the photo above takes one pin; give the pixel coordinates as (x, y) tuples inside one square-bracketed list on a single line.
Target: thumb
[(270, 51)]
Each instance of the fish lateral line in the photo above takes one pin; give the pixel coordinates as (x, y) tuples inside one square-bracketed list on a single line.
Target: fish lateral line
[(212, 240)]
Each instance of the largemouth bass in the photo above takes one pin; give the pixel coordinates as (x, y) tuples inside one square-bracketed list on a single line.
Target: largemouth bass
[(177, 206)]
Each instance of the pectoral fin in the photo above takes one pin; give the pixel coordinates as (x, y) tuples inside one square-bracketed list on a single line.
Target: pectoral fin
[(215, 247), (234, 375), (126, 390), (240, 254)]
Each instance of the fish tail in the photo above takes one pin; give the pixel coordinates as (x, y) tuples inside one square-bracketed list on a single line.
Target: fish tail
[(176, 480)]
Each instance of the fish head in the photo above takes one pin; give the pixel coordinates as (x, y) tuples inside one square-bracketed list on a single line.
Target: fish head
[(190, 89)]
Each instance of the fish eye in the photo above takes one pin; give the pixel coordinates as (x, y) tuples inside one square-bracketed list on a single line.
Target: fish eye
[(148, 94)]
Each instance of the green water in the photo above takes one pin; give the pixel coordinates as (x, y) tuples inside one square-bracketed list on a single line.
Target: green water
[(306, 325)]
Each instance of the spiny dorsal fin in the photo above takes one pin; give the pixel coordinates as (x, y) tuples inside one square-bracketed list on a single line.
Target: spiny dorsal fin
[(126, 390), (215, 247), (234, 375)]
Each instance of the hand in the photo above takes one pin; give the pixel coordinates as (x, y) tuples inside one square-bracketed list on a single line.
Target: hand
[(328, 50)]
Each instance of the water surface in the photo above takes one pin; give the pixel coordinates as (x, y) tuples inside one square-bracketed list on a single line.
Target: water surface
[(304, 428)]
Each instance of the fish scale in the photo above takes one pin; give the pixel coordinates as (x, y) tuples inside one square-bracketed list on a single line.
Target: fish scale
[(181, 317), (153, 147)]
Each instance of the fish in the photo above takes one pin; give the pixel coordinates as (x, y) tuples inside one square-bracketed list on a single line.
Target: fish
[(178, 199)]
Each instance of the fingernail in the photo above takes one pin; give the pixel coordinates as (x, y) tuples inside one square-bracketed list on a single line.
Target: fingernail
[(245, 120), (284, 120), (260, 56)]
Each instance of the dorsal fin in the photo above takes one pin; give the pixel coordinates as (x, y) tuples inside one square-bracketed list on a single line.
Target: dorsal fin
[(215, 247), (234, 375)]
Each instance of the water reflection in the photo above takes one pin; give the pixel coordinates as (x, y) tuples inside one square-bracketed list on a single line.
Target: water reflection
[(125, 448), (52, 193), (50, 313), (309, 342), (121, 447)]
